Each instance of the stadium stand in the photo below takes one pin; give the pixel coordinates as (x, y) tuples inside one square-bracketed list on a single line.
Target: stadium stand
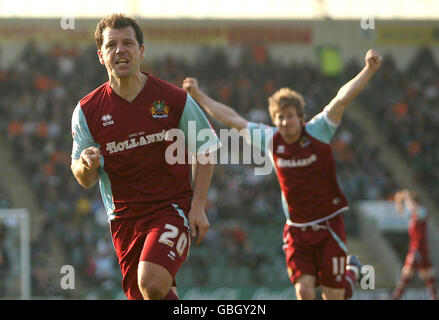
[(39, 92), (4, 197), (405, 105)]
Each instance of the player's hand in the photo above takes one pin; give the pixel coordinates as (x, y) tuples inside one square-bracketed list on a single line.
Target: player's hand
[(198, 223), (373, 60), (90, 158), (191, 86)]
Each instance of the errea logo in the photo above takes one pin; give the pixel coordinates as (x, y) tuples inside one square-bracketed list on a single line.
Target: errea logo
[(106, 120), (280, 149), (171, 255)]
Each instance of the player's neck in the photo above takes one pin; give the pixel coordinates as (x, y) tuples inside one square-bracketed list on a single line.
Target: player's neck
[(128, 88), (292, 138)]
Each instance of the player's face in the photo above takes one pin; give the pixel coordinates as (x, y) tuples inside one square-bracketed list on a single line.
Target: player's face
[(288, 123), (120, 52)]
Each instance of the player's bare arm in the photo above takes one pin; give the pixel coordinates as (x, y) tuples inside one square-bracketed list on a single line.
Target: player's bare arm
[(85, 169), (399, 202), (351, 89), (198, 221), (410, 204), (403, 199), (217, 110)]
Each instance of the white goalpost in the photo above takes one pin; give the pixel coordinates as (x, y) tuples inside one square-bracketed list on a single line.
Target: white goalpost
[(19, 219)]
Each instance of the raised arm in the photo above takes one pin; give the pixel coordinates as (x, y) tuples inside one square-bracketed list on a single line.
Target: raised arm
[(350, 90), (217, 110), (399, 201), (404, 200)]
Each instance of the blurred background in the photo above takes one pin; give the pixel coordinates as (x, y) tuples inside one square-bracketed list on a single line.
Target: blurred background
[(241, 53)]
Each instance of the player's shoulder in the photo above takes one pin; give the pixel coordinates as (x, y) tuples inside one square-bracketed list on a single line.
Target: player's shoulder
[(321, 128), (308, 129), (170, 90), (165, 85), (422, 212), (261, 129), (94, 96)]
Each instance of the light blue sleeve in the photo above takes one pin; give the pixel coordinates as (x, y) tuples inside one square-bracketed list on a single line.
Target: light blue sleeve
[(421, 211), (260, 135), (200, 137), (321, 127), (82, 138), (422, 214), (406, 212)]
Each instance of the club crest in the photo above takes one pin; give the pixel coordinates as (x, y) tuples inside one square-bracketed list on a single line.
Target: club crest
[(304, 142), (159, 109)]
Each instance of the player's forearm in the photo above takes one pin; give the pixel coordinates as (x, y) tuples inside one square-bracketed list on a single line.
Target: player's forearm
[(347, 93), (86, 177), (202, 177), (221, 112), (351, 89), (399, 208)]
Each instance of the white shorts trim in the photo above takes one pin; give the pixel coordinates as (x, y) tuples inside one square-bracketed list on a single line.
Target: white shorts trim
[(307, 224)]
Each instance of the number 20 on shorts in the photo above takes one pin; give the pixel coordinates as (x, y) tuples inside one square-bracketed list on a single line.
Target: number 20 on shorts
[(168, 237)]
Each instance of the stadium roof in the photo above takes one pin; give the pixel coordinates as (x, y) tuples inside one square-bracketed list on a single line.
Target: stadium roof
[(225, 9)]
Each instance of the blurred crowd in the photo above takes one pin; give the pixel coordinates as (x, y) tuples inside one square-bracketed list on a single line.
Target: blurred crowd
[(40, 90), (406, 103), (5, 264), (4, 196)]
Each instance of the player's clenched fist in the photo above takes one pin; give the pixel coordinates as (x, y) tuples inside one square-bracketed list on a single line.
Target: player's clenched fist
[(191, 86), (90, 158), (373, 60)]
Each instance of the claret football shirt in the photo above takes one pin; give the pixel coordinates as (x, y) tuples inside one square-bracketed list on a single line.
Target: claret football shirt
[(305, 170), (417, 226), (136, 176)]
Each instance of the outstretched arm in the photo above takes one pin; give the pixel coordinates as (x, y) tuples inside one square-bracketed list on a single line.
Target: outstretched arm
[(404, 200), (217, 110), (350, 90), (399, 201)]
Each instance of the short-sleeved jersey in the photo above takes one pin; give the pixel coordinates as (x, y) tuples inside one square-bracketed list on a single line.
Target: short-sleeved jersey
[(134, 177), (417, 226), (305, 170)]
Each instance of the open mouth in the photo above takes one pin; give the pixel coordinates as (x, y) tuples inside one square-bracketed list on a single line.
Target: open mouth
[(122, 62)]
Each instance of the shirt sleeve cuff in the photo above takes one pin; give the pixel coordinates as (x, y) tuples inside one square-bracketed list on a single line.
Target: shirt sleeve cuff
[(329, 121)]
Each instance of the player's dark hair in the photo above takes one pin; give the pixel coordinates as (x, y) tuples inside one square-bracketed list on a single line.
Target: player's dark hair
[(117, 21)]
